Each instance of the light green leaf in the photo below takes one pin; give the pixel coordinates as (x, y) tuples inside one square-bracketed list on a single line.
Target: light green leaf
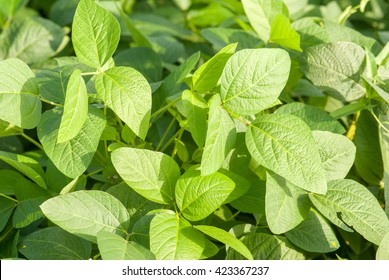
[(128, 94), (95, 34), (383, 249), (315, 118), (151, 174), (73, 157), (53, 243), (253, 79), (8, 129), (7, 207), (28, 166), (337, 159), (19, 102), (314, 234), (376, 89), (336, 68), (10, 7), (31, 39), (282, 33), (196, 111), (115, 247), (221, 136), (226, 238), (267, 247), (172, 238), (75, 110), (199, 196), (27, 212), (356, 206), (205, 78), (261, 14), (86, 213), (286, 205), (384, 141), (284, 144)]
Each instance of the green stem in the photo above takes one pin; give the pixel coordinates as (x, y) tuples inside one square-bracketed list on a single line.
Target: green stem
[(28, 138), (94, 172), (8, 197), (163, 109), (50, 102), (89, 73), (165, 134), (172, 139)]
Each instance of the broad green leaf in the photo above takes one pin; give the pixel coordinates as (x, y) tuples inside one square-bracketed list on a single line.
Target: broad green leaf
[(62, 11), (128, 94), (73, 157), (7, 207), (284, 144), (8, 129), (282, 33), (238, 160), (95, 34), (336, 68), (26, 165), (199, 196), (115, 247), (86, 213), (221, 136), (75, 110), (173, 82), (286, 205), (205, 78), (31, 39), (242, 185), (151, 174), (261, 14), (368, 158), (314, 234), (383, 249), (267, 247), (173, 238), (253, 201), (54, 243), (196, 111), (315, 118), (356, 206), (253, 79), (145, 60), (337, 158), (19, 102), (27, 212), (221, 37), (226, 238)]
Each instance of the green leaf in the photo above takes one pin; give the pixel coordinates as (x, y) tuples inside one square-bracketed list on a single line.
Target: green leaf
[(149, 173), (315, 118), (337, 159), (31, 39), (253, 79), (221, 136), (199, 196), (62, 11), (73, 157), (261, 14), (53, 243), (10, 7), (314, 234), (286, 205), (368, 158), (75, 110), (383, 249), (278, 141), (196, 111), (267, 247), (205, 78), (115, 247), (8, 129), (86, 213), (282, 33), (336, 69), (172, 238), (226, 238), (253, 201), (27, 212), (242, 185), (19, 102), (221, 37), (384, 141), (28, 166), (356, 206), (95, 34), (128, 94), (7, 207)]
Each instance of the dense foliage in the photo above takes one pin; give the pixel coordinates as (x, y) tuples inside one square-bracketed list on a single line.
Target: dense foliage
[(194, 129)]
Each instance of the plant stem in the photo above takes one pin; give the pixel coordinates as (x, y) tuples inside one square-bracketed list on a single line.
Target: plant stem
[(8, 197), (165, 134), (28, 138), (163, 109), (172, 139)]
